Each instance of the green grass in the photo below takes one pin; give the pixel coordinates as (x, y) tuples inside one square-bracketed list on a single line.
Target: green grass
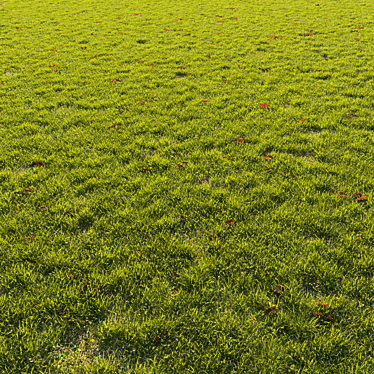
[(186, 187)]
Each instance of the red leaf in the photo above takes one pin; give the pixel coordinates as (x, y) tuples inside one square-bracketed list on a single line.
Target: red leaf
[(362, 199), (37, 163)]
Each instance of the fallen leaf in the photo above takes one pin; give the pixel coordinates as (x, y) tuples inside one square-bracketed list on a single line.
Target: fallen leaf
[(271, 310)]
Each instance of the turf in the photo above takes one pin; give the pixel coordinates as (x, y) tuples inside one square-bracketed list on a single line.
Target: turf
[(186, 187)]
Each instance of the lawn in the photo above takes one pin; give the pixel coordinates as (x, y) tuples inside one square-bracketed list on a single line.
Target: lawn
[(186, 187)]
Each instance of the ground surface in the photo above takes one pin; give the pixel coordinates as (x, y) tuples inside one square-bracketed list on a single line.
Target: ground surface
[(186, 187)]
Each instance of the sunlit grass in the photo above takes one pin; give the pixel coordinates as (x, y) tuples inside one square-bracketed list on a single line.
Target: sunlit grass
[(186, 187)]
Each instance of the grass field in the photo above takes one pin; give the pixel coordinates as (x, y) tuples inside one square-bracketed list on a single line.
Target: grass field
[(186, 187)]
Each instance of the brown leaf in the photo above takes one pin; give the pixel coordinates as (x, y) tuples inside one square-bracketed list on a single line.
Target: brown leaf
[(28, 239), (229, 223), (271, 310), (268, 157), (84, 287), (183, 217), (278, 289), (146, 170)]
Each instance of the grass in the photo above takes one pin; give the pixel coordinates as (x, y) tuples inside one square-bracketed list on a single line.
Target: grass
[(186, 187)]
